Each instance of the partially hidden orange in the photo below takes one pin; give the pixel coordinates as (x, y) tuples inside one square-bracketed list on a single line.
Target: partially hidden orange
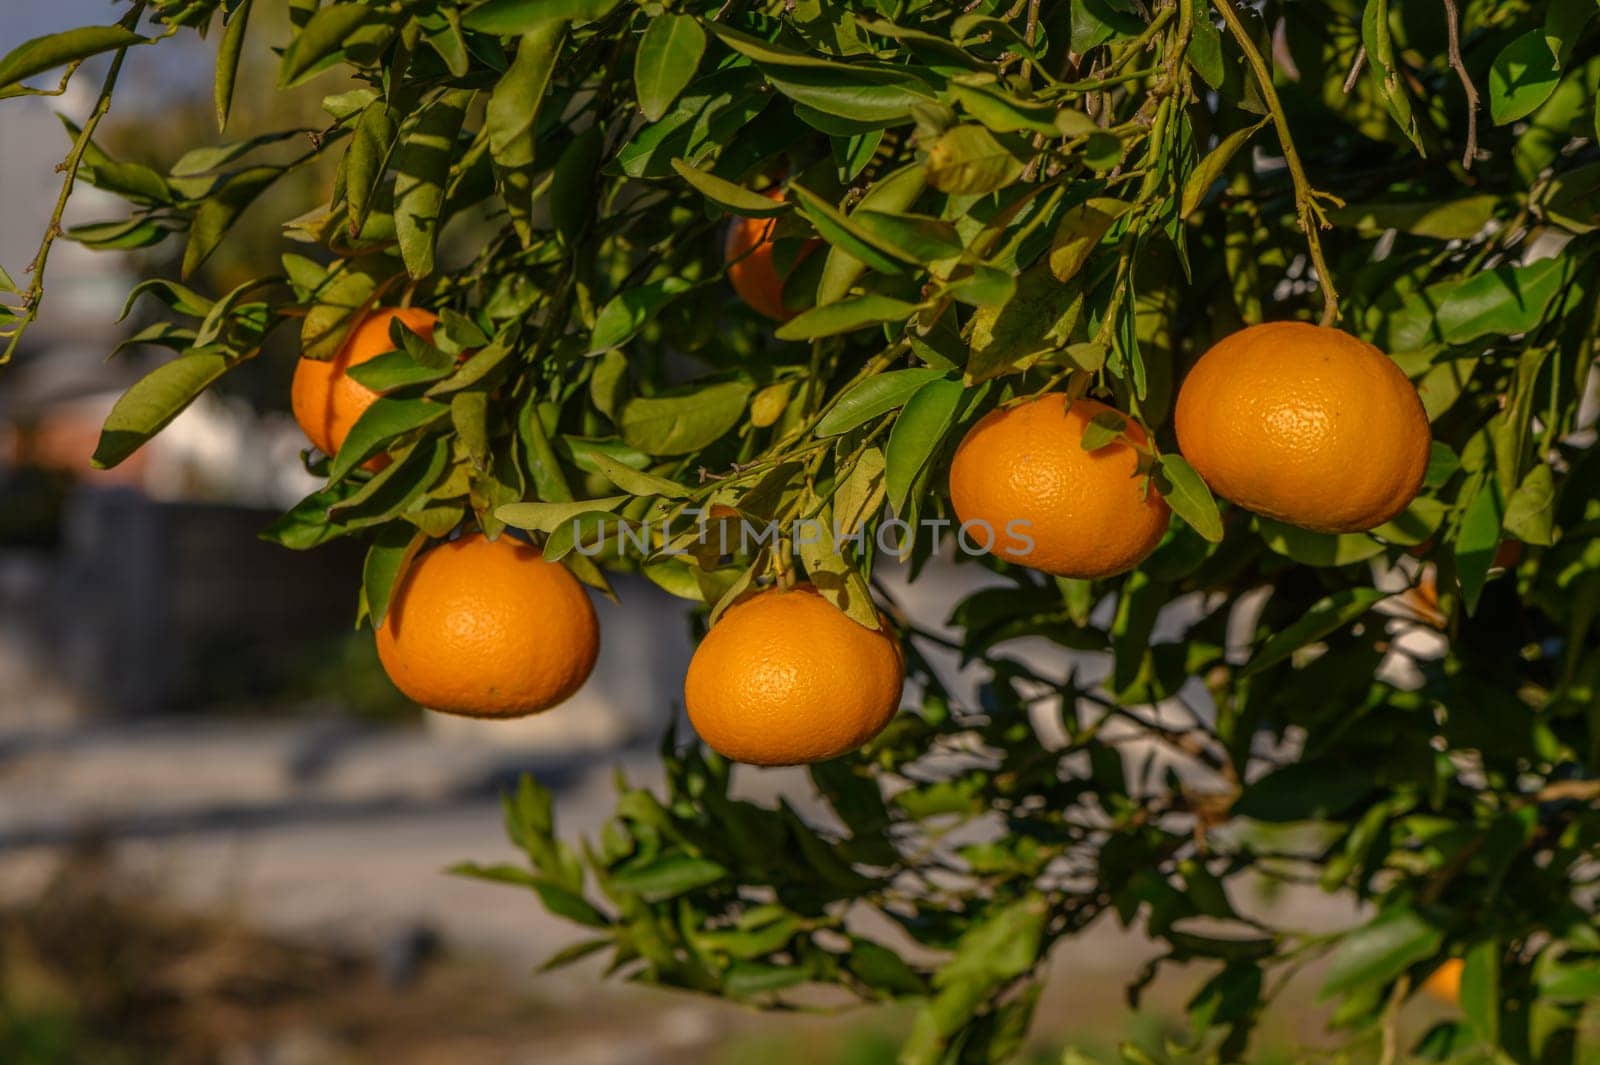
[(1022, 481), (748, 251), (1444, 983), (488, 628), (1305, 424), (785, 677), (326, 400)]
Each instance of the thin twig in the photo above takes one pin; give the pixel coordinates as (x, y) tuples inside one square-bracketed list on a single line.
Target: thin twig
[(1355, 70), (1452, 21), (1307, 210), (35, 294)]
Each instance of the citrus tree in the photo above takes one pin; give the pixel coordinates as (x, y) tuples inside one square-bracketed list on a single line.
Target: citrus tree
[(888, 264)]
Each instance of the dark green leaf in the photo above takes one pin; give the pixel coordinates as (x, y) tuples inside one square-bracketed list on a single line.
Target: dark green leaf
[(666, 60), (1189, 497), (58, 49), (1328, 615), (147, 407), (380, 423), (876, 395), (917, 433), (1379, 951), (422, 167), (844, 316), (683, 423), (667, 877)]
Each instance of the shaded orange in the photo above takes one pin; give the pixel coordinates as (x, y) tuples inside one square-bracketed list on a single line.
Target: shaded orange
[(326, 400), (488, 629), (1090, 514), (1305, 424), (751, 270), (1444, 983), (785, 678)]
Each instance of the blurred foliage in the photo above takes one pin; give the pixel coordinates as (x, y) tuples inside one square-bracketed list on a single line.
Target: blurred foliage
[(1013, 197)]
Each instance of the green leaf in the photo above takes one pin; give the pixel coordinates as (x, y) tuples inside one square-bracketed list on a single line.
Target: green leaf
[(667, 877), (1007, 114), (1480, 989), (1205, 46), (969, 161), (1102, 429), (1460, 219), (620, 320), (843, 233), (917, 433), (1210, 169), (746, 978), (217, 215), (1530, 513), (1186, 492), (919, 237), (367, 158), (1037, 320), (668, 55), (1522, 77), (306, 524), (157, 398), (1327, 615), (387, 561), (873, 95), (883, 970), (1317, 549), (547, 517), (635, 482), (1080, 230), (1315, 790), (683, 423), (1379, 41), (890, 195), (844, 316), (321, 39), (876, 395), (422, 166), (1478, 540), (1379, 951), (380, 423), (512, 17), (1503, 301), (728, 196), (1000, 947), (58, 49), (512, 118)]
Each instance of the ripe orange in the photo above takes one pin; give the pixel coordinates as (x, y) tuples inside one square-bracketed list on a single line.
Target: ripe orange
[(751, 270), (1444, 983), (1305, 424), (785, 677), (488, 629), (326, 400), (1022, 479)]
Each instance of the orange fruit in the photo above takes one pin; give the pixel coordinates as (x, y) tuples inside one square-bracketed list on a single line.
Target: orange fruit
[(1444, 983), (488, 629), (1305, 424), (326, 400), (751, 269), (785, 677), (1021, 474)]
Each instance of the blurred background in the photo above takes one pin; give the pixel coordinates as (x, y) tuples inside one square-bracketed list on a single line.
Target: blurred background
[(223, 834)]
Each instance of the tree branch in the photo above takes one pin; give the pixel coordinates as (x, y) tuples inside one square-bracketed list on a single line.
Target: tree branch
[(1452, 21)]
